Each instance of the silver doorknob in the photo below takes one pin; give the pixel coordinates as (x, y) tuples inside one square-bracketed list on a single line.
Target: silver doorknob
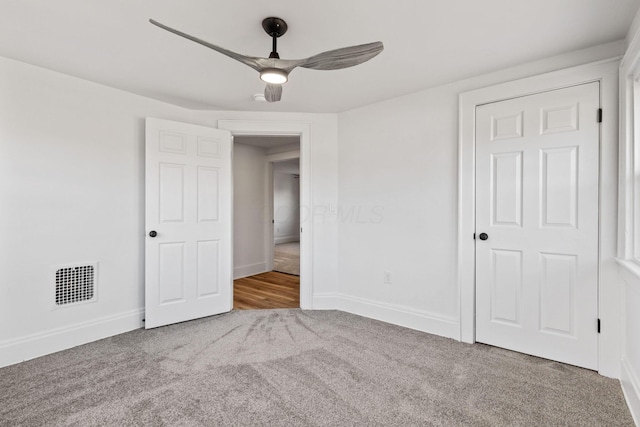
[(483, 236), (153, 233)]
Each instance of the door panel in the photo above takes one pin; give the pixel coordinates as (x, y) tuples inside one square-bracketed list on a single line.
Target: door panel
[(188, 204), (537, 199), (208, 191), (506, 286), (208, 268), (506, 180), (171, 188), (172, 269), (557, 288)]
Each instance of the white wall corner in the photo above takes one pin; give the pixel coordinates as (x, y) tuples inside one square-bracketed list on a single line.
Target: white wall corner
[(286, 239), (419, 320), (630, 272), (632, 40), (630, 364), (249, 270), (53, 340), (631, 389)]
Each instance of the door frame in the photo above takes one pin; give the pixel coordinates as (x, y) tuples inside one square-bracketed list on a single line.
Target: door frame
[(271, 159), (303, 130), (609, 298)]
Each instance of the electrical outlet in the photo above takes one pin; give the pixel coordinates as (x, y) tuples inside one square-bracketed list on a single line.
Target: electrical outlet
[(387, 277)]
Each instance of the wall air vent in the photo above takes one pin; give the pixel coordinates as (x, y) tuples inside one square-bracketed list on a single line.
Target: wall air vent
[(75, 284)]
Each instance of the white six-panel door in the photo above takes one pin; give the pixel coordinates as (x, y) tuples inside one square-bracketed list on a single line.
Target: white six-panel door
[(188, 207), (537, 202)]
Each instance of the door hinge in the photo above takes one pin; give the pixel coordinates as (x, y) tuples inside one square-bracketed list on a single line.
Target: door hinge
[(599, 115), (598, 325), (301, 229)]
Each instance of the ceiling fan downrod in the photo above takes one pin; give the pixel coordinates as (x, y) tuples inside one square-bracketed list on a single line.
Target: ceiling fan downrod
[(275, 27)]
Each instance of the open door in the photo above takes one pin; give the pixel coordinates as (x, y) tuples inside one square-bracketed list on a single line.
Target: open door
[(188, 222)]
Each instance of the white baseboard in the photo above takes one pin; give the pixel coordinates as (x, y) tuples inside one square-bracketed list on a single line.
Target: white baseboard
[(325, 301), (31, 346), (286, 239), (631, 389), (249, 270), (401, 316)]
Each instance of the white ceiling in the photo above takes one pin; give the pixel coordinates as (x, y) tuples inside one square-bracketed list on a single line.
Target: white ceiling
[(427, 43)]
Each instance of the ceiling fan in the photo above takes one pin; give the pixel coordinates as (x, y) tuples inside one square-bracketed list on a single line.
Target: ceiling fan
[(275, 71)]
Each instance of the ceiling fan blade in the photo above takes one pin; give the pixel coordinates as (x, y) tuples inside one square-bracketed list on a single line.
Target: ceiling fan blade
[(247, 60), (273, 93), (343, 58)]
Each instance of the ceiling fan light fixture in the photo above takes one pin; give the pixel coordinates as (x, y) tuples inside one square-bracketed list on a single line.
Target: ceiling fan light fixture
[(274, 76), (275, 71)]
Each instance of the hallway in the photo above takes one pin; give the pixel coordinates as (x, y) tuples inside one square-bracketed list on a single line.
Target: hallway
[(266, 290)]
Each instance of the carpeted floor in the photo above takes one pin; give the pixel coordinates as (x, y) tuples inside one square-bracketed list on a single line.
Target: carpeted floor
[(286, 258), (300, 368)]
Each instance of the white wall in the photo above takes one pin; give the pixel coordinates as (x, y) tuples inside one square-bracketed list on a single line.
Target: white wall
[(286, 207), (250, 214), (630, 376), (628, 214), (71, 189), (631, 348), (398, 200)]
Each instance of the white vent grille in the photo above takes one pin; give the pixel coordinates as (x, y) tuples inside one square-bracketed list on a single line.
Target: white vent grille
[(75, 284)]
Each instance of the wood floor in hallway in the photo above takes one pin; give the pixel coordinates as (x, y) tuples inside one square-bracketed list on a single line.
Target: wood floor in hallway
[(266, 290)]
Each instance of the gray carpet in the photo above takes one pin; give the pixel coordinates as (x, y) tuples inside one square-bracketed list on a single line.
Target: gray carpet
[(286, 258), (300, 368)]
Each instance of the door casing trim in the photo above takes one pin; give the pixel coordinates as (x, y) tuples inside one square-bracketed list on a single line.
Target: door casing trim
[(609, 299), (303, 130), (271, 159)]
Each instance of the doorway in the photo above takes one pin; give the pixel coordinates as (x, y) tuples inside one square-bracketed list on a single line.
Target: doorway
[(286, 216), (301, 130), (266, 221)]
